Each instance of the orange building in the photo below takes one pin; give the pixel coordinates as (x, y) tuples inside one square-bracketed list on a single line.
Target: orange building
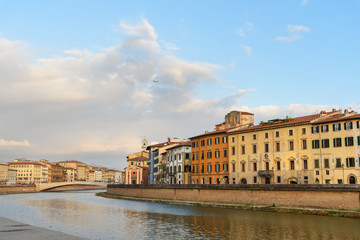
[(210, 156)]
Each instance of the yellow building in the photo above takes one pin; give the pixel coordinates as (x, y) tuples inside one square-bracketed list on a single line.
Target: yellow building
[(4, 168), (27, 172), (139, 158), (320, 148), (81, 169)]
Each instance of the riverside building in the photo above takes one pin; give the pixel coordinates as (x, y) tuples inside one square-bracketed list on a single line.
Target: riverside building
[(322, 148), (178, 163), (209, 151)]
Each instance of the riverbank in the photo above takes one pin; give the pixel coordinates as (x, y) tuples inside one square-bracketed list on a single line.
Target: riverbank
[(8, 189), (12, 230), (264, 208)]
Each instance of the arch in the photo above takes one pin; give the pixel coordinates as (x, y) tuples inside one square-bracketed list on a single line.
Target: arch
[(317, 181), (254, 160), (352, 179), (291, 158), (304, 157), (243, 181), (277, 159), (233, 162), (293, 180)]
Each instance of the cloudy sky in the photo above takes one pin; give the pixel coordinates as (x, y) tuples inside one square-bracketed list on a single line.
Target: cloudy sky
[(77, 77)]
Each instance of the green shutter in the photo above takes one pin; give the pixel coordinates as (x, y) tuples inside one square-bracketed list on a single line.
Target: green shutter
[(322, 143), (347, 162), (333, 127), (334, 142), (346, 142), (313, 144), (358, 140)]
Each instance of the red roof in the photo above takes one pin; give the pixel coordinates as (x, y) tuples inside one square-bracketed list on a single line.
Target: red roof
[(337, 118), (181, 144)]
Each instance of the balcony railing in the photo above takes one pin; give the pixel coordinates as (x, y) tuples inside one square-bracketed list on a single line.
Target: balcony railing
[(266, 172)]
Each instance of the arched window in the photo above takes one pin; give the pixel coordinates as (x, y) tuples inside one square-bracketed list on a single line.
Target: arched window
[(352, 180)]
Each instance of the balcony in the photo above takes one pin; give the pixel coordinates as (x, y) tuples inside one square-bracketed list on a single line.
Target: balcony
[(266, 173)]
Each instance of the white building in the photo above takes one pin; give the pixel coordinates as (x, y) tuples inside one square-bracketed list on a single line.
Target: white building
[(176, 156)]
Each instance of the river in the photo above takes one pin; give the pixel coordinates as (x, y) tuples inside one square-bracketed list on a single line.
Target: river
[(85, 215)]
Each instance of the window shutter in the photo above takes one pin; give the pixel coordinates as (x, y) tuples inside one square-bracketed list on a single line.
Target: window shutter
[(334, 142), (340, 142), (313, 144), (322, 128), (322, 143), (333, 127), (358, 138), (346, 142), (312, 129), (345, 126), (351, 125), (358, 124), (347, 162)]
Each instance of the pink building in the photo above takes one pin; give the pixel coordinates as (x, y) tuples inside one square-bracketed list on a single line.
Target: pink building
[(136, 174)]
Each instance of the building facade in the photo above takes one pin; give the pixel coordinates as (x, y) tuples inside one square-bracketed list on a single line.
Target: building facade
[(321, 148), (179, 163), (210, 156), (136, 174), (27, 172)]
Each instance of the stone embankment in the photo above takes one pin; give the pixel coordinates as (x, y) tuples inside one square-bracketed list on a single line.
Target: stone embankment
[(334, 200), (7, 189)]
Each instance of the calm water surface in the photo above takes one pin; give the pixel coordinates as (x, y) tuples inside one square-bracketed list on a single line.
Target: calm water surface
[(85, 215)]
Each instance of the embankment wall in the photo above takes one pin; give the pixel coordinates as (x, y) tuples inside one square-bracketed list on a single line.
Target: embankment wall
[(316, 196), (6, 189)]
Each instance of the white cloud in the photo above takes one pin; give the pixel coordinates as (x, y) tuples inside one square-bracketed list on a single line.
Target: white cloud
[(247, 50), (240, 32), (12, 143), (294, 33), (170, 46), (304, 2), (94, 106)]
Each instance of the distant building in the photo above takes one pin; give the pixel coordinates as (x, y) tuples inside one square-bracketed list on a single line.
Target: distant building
[(136, 174), (11, 176), (4, 168), (27, 172), (179, 163), (57, 173)]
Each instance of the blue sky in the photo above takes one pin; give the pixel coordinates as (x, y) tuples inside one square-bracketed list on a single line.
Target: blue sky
[(83, 70)]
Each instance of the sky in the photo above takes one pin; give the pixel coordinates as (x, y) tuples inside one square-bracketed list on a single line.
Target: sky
[(88, 80)]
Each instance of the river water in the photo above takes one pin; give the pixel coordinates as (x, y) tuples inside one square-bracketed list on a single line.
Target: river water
[(85, 215)]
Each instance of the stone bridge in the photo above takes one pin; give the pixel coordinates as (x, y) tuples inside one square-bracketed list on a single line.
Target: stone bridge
[(47, 186)]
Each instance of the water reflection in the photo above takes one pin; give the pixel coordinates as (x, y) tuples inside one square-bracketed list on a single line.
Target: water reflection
[(85, 215)]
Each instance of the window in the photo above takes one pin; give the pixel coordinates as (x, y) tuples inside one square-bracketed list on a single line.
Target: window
[(338, 163), (233, 150), (197, 169), (317, 172), (291, 132), (202, 142), (303, 130), (197, 143), (193, 144), (291, 145), (325, 143), (277, 146), (217, 154), (277, 134), (254, 136), (315, 129), (254, 148), (225, 139), (242, 138), (217, 167), (358, 124), (202, 155), (266, 147), (337, 142), (326, 163), (278, 179), (303, 144), (349, 141), (233, 167), (233, 139), (202, 168), (324, 128), (209, 154), (217, 140), (316, 163), (209, 168), (350, 162), (266, 135), (315, 144), (254, 166), (348, 125), (305, 164), (267, 167), (187, 155), (193, 156), (225, 152), (243, 167), (292, 165), (336, 127), (225, 167), (243, 149), (278, 165), (255, 179), (209, 141)]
